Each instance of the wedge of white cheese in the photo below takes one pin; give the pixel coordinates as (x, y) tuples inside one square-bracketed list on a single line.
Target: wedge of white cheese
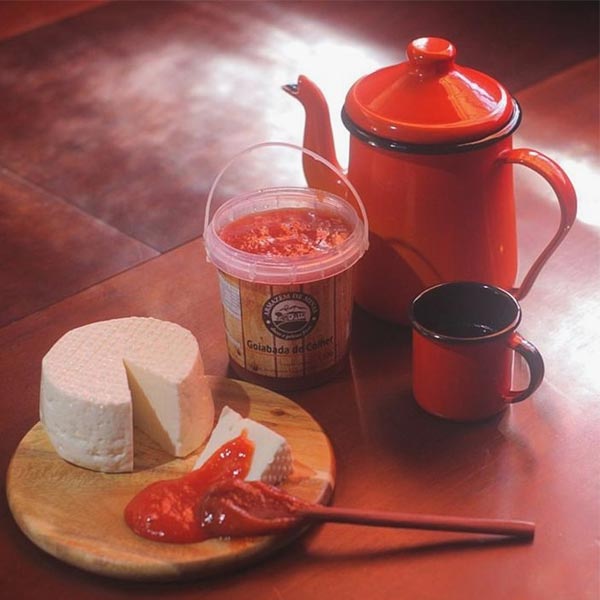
[(272, 458), (101, 379)]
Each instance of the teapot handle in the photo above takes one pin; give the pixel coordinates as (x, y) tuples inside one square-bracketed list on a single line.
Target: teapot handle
[(567, 199)]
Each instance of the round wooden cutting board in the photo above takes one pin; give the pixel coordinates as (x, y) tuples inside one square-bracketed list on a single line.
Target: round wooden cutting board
[(76, 515)]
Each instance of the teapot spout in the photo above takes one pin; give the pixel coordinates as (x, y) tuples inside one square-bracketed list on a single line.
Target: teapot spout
[(318, 136)]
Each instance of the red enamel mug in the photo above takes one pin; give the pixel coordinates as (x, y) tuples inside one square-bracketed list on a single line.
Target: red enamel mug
[(464, 337)]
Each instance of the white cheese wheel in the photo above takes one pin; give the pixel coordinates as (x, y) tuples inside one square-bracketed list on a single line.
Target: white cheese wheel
[(101, 379)]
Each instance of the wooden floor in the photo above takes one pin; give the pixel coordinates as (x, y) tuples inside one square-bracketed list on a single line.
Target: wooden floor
[(17, 17), (115, 120), (113, 124)]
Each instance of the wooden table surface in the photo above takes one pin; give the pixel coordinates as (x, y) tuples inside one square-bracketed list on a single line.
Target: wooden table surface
[(114, 123)]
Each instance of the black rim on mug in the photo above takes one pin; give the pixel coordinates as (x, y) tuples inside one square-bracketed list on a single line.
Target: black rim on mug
[(464, 312)]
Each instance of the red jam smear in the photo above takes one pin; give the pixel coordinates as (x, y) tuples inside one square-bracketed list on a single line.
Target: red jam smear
[(238, 508), (171, 510), (287, 232)]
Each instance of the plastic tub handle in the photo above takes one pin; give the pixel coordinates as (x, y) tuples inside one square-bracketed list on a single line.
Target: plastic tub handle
[(314, 155)]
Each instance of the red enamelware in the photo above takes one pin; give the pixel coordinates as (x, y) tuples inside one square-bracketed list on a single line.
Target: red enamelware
[(464, 337), (431, 156)]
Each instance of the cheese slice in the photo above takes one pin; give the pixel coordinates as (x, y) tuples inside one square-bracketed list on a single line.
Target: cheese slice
[(101, 379), (272, 458)]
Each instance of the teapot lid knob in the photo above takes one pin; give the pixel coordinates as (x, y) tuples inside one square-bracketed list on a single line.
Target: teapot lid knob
[(431, 54)]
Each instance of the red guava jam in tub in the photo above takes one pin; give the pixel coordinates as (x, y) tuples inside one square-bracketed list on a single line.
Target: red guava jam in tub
[(287, 232), (284, 257)]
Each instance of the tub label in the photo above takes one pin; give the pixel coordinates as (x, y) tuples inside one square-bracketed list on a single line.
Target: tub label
[(291, 315), (287, 331), (230, 296)]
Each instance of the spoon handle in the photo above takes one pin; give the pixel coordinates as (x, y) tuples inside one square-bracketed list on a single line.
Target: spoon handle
[(521, 529)]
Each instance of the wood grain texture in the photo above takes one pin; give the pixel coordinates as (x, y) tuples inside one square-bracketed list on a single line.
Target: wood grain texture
[(17, 17), (391, 456), (129, 110), (50, 250), (536, 462), (76, 514), (570, 283)]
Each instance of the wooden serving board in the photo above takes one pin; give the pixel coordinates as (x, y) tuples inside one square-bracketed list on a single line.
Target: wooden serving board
[(76, 515)]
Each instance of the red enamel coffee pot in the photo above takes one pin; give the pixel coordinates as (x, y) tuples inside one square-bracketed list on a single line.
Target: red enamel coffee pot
[(431, 156)]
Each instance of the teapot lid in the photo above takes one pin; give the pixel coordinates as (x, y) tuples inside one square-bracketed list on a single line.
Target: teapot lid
[(428, 99)]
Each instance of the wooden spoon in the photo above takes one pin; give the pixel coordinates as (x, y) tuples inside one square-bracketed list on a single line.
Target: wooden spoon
[(238, 508)]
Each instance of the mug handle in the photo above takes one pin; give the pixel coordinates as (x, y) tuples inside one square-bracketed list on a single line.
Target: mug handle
[(534, 361), (567, 199)]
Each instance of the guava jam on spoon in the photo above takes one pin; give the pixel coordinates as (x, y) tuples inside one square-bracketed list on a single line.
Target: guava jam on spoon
[(214, 501), (236, 508), (245, 508)]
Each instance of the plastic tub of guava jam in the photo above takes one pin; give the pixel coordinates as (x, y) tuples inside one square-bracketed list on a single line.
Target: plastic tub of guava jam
[(284, 257)]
